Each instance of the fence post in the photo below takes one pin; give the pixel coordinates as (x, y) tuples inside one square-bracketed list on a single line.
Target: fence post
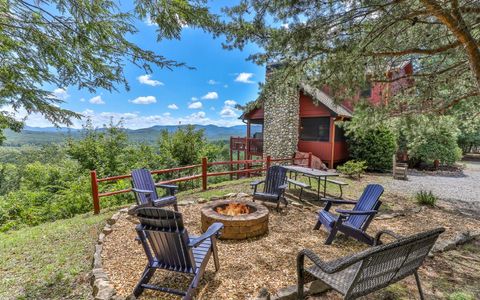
[(309, 159), (268, 161), (96, 198), (204, 173)]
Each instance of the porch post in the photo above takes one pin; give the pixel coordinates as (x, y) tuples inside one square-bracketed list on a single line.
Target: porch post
[(332, 141)]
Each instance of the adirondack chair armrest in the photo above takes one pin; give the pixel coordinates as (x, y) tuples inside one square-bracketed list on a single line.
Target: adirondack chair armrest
[(170, 187), (141, 191), (283, 186), (339, 201), (327, 267), (256, 182), (379, 234), (346, 212), (214, 229)]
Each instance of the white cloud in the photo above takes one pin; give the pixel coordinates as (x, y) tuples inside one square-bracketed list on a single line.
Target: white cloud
[(244, 78), (230, 103), (210, 96), (97, 100), (144, 100), (167, 114), (194, 98), (212, 82), (145, 79), (60, 93), (173, 106), (228, 110), (82, 99), (200, 115), (285, 25), (195, 105)]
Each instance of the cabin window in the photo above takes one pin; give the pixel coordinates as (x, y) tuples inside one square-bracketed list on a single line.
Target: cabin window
[(315, 129)]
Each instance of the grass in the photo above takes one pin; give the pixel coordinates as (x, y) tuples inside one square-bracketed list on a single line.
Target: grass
[(49, 261), (426, 198)]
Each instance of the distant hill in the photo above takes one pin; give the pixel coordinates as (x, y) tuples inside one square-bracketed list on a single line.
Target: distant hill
[(46, 135)]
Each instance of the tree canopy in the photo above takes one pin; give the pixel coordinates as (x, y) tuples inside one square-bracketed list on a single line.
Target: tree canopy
[(350, 44), (82, 43)]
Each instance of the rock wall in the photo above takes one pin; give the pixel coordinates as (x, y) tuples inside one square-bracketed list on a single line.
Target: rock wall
[(281, 121)]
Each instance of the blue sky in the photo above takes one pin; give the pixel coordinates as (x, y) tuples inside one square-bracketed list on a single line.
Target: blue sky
[(206, 95)]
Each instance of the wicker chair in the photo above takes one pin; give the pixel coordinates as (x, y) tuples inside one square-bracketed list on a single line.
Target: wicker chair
[(371, 269)]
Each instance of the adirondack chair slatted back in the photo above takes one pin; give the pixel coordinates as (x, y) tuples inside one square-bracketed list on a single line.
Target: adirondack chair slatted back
[(392, 262), (276, 176), (368, 201), (167, 238), (142, 180)]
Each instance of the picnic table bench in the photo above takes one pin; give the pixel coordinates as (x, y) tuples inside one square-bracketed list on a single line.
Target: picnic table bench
[(300, 184), (340, 185)]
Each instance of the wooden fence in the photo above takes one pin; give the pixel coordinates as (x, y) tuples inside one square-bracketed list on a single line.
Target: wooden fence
[(204, 174)]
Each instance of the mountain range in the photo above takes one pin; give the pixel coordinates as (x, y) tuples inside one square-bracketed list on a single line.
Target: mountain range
[(44, 135)]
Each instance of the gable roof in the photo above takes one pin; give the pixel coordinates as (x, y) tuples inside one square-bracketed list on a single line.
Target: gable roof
[(320, 97)]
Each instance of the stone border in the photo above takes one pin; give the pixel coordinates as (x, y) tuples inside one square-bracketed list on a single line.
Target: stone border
[(103, 289)]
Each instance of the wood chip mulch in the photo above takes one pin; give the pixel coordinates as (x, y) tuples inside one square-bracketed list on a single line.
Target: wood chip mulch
[(268, 261)]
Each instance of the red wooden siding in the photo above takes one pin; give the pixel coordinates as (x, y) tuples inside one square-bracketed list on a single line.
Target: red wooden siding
[(321, 149), (255, 114), (310, 109)]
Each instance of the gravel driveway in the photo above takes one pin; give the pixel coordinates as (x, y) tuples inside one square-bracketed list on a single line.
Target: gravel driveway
[(463, 191)]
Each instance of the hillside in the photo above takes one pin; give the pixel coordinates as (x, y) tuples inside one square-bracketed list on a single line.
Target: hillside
[(40, 136)]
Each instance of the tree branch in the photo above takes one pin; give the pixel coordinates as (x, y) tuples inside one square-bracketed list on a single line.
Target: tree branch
[(416, 51)]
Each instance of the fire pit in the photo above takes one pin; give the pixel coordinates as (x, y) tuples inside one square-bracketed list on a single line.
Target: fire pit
[(241, 219)]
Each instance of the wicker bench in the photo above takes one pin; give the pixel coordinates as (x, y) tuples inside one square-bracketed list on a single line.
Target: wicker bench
[(301, 185), (340, 185)]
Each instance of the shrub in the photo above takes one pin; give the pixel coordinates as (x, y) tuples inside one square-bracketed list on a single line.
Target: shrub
[(353, 168), (426, 198), (375, 146), (434, 139)]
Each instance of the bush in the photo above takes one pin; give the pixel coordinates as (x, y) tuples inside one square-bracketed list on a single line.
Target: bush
[(434, 139), (353, 168), (426, 198), (375, 146)]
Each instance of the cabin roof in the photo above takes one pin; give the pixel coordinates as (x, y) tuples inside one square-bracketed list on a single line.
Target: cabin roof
[(317, 96)]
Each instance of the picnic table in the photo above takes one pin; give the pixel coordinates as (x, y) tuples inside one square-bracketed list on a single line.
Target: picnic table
[(313, 173)]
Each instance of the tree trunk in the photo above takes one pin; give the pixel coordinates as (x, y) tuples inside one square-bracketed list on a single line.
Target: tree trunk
[(455, 23)]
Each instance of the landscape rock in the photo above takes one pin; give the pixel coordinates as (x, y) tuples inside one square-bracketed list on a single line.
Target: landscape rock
[(215, 198), (107, 229), (103, 290), (460, 239), (101, 238), (290, 293), (185, 203), (392, 215), (202, 200), (123, 210), (296, 204), (230, 195), (264, 294), (242, 195)]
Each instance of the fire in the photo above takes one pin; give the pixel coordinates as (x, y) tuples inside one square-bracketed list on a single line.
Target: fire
[(233, 209)]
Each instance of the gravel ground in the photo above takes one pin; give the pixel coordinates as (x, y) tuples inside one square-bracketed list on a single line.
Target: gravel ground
[(462, 191)]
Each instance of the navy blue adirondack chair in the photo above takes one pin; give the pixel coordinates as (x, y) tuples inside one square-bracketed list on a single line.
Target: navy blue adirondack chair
[(353, 222), (274, 186), (145, 190), (168, 246)]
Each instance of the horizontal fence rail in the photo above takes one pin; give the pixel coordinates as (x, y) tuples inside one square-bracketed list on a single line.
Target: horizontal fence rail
[(204, 174)]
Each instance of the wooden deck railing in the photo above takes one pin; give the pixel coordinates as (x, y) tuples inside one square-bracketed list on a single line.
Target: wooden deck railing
[(203, 175)]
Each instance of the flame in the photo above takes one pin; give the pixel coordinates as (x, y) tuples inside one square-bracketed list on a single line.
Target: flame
[(233, 209)]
